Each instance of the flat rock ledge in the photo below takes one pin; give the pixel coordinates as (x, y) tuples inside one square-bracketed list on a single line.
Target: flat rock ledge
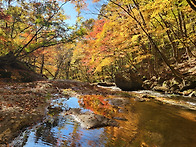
[(90, 120)]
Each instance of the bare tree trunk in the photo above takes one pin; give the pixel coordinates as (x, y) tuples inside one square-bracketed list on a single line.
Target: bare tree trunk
[(58, 68), (188, 51), (171, 40), (42, 64)]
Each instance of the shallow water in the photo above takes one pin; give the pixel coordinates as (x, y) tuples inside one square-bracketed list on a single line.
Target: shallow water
[(140, 124)]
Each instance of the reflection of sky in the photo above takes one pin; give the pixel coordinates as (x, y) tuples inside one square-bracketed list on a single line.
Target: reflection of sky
[(83, 136), (67, 130), (93, 135), (66, 133), (72, 103), (31, 141)]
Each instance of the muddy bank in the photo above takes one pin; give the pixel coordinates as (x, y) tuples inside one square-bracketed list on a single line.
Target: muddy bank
[(21, 105)]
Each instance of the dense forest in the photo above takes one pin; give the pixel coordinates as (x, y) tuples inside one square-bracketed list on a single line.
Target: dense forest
[(147, 39)]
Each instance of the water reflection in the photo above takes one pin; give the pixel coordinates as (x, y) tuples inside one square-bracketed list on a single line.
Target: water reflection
[(141, 124), (163, 125)]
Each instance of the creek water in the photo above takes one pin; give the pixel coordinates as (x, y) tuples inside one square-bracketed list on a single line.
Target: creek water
[(145, 124)]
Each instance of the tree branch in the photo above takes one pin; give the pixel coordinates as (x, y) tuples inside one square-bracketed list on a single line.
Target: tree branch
[(34, 36), (192, 4)]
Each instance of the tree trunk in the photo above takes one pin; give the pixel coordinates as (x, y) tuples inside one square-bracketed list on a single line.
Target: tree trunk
[(192, 4), (171, 40), (42, 65)]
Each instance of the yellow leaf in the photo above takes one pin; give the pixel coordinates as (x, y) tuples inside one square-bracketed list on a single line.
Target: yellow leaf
[(104, 62)]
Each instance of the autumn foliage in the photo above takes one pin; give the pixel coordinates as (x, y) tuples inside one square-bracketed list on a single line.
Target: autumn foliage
[(98, 105), (147, 37), (140, 35)]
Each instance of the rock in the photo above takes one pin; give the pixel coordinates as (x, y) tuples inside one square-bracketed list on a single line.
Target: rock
[(166, 84), (128, 81), (160, 89), (89, 120), (120, 118), (147, 96), (192, 70), (160, 80), (153, 79), (119, 102), (147, 84), (187, 92), (192, 94), (106, 84), (174, 81), (154, 84), (175, 88), (141, 99), (189, 84)]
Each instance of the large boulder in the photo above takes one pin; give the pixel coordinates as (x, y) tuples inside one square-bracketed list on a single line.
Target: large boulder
[(189, 83), (90, 120), (128, 81)]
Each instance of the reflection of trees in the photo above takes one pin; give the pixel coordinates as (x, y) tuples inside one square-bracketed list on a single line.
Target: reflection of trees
[(98, 105), (111, 136), (73, 139), (157, 126), (45, 133), (114, 136), (126, 133)]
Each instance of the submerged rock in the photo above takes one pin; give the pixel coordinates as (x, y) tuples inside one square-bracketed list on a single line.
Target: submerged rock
[(118, 101), (89, 120)]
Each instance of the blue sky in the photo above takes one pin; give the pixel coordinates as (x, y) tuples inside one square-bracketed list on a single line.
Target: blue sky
[(91, 12), (70, 11)]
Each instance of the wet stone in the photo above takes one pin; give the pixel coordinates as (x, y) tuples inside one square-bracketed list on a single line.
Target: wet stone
[(89, 120)]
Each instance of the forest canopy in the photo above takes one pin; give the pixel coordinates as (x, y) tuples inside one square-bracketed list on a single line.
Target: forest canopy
[(147, 37)]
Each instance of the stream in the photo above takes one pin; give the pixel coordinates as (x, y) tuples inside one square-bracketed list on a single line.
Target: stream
[(145, 124)]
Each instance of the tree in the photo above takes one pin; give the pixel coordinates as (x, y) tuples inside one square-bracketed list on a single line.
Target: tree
[(30, 28), (192, 4), (141, 35)]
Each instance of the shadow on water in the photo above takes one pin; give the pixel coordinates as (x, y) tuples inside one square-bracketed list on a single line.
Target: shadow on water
[(140, 124)]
